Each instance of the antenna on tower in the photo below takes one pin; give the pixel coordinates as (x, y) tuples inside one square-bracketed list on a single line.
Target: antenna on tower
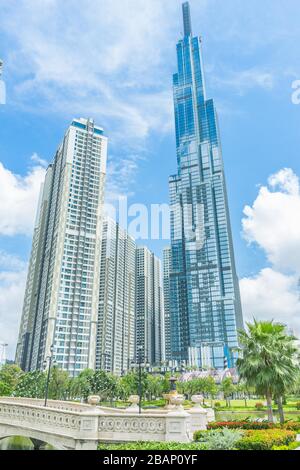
[(187, 21)]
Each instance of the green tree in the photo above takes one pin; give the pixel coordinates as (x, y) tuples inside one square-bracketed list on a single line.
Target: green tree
[(244, 391), (10, 375), (59, 384), (80, 386), (129, 384), (228, 388), (31, 385), (211, 388), (155, 386), (104, 384), (268, 361)]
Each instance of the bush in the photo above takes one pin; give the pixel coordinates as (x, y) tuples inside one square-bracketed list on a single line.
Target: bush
[(223, 439), (259, 406), (265, 439), (241, 425), (218, 404), (292, 426), (291, 446), (152, 446), (200, 436), (298, 405)]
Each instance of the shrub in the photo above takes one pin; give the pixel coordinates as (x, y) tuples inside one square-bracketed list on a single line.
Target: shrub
[(152, 446), (291, 446), (292, 426), (241, 425), (223, 439), (200, 436), (298, 405), (259, 405), (218, 404), (265, 439)]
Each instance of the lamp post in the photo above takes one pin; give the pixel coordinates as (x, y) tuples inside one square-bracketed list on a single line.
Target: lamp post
[(50, 360), (139, 366), (140, 391)]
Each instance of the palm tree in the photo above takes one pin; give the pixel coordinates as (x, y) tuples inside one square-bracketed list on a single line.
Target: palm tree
[(267, 362)]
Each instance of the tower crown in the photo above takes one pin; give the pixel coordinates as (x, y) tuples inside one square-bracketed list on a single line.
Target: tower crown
[(187, 22)]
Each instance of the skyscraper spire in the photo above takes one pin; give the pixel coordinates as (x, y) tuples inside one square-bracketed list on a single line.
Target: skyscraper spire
[(205, 310), (187, 22)]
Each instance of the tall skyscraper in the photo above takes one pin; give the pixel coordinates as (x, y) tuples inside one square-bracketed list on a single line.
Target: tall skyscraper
[(62, 292), (205, 301), (166, 285), (116, 319), (149, 344)]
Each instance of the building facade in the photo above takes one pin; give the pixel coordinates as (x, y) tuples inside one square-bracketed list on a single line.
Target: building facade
[(149, 342), (116, 316), (62, 291), (166, 286), (205, 306)]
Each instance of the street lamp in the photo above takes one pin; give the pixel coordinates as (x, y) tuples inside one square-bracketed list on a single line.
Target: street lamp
[(139, 358), (50, 360), (139, 365)]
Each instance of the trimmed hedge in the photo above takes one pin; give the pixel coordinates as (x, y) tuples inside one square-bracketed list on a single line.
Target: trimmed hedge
[(255, 425), (266, 439), (241, 425), (152, 446)]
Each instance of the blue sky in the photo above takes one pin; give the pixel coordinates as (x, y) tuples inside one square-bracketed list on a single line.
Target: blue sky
[(113, 60)]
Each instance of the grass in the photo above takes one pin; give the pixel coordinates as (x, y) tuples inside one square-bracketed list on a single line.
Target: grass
[(235, 405)]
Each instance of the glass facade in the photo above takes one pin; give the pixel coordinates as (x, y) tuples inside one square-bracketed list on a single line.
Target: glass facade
[(205, 306)]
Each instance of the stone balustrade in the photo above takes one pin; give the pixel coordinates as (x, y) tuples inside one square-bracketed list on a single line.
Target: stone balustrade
[(68, 425)]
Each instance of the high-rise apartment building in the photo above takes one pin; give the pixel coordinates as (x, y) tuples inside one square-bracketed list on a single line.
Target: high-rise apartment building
[(149, 343), (166, 286), (62, 291), (205, 304), (116, 317)]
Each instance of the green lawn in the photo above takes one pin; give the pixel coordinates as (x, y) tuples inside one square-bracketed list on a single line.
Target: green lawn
[(235, 405)]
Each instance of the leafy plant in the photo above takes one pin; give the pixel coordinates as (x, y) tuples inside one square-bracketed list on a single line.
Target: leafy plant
[(223, 439), (265, 439), (291, 446), (292, 426)]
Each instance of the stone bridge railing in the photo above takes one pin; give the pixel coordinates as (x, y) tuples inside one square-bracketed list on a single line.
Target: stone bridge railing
[(68, 425)]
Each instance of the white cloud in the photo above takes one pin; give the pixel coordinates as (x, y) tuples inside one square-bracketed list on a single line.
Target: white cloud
[(244, 80), (271, 295), (18, 200), (273, 223), (40, 161), (107, 59), (12, 286)]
